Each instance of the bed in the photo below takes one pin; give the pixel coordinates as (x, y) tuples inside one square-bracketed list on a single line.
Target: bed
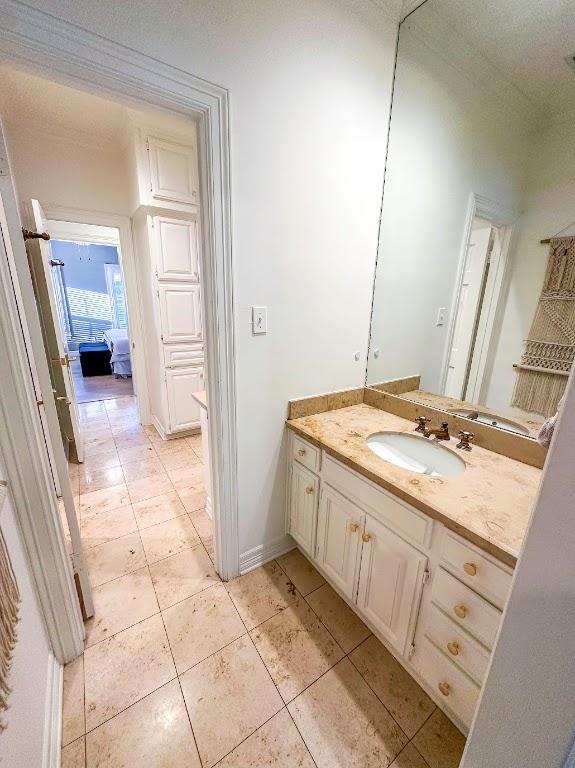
[(119, 345)]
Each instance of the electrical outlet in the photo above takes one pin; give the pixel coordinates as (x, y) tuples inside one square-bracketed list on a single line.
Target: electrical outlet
[(259, 320)]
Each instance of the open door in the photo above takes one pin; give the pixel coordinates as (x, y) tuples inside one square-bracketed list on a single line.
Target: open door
[(52, 307)]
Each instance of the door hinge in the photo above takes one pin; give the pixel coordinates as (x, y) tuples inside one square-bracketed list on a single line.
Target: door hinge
[(162, 336), (426, 576), (411, 652)]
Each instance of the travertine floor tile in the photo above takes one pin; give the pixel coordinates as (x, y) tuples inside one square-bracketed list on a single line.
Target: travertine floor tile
[(136, 453), (277, 744), (201, 625), (148, 487), (125, 668), (153, 733), (300, 571), (102, 460), (175, 461), (158, 509), (189, 474), (182, 575), (228, 696), (73, 701), (104, 500), (169, 538), (204, 526), (346, 626), (73, 756), (169, 446), (261, 593), (439, 742), (136, 470), (409, 758), (98, 479), (399, 692), (115, 558), (100, 527), (344, 724), (119, 604), (296, 648), (192, 494), (98, 445)]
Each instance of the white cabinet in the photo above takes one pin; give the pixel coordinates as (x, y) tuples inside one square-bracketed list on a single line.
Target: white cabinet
[(173, 170), (183, 410), (303, 506), (390, 582), (176, 248), (180, 313), (339, 529)]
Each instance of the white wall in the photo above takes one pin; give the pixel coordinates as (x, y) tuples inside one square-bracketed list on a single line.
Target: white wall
[(22, 744), (309, 84), (548, 208), (457, 128)]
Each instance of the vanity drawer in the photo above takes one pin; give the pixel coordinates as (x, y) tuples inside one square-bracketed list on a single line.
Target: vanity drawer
[(177, 355), (306, 453), (458, 646), (468, 564), (409, 522), (465, 607), (449, 683)]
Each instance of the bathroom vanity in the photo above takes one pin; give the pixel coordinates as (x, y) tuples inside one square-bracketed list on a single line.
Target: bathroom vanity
[(426, 560)]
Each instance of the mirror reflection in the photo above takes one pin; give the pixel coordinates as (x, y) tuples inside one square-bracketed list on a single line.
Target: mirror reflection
[(474, 307)]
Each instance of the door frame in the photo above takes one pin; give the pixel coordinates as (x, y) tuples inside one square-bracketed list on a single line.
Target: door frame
[(60, 215), (502, 217), (56, 49)]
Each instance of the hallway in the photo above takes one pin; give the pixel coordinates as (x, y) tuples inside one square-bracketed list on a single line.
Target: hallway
[(182, 670)]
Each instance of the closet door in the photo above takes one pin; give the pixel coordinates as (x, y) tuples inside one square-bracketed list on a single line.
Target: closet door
[(173, 171), (176, 249), (180, 313), (183, 410)]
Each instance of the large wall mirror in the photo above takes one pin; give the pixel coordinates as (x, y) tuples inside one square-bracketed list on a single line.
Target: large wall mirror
[(474, 301)]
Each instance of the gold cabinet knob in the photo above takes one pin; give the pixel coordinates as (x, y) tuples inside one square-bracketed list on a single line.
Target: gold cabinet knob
[(470, 569), (353, 527), (445, 688), (301, 452), (309, 489), (460, 610), (453, 648), (366, 537)]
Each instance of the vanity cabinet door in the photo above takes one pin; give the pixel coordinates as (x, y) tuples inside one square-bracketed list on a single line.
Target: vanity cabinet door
[(173, 171), (339, 529), (303, 506), (390, 582), (180, 312), (176, 247)]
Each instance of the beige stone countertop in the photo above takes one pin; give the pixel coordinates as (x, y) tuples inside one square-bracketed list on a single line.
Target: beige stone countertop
[(201, 399), (489, 503)]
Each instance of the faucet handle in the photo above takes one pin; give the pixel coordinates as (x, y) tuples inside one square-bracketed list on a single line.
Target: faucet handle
[(421, 421), (464, 440)]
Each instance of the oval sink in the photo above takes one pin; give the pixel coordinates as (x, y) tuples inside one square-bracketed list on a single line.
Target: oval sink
[(491, 419), (418, 454)]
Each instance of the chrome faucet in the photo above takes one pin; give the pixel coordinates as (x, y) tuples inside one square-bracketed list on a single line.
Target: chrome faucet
[(442, 433)]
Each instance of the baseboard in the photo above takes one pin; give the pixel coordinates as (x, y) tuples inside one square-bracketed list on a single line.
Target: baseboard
[(53, 714), (265, 552), (173, 435)]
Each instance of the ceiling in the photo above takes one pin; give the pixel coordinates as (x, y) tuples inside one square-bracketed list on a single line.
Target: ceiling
[(526, 40)]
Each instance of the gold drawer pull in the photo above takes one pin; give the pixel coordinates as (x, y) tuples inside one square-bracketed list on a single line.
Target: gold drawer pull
[(453, 648), (445, 688), (470, 569), (309, 489), (366, 537), (353, 527), (301, 452), (460, 610)]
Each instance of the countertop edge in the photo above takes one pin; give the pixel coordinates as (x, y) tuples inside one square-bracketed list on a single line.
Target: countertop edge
[(487, 546)]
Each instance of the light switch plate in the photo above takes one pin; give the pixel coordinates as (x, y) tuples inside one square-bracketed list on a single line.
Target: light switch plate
[(441, 312), (259, 320)]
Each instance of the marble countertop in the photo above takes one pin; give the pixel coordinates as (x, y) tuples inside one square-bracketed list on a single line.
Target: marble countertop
[(201, 399), (489, 503)]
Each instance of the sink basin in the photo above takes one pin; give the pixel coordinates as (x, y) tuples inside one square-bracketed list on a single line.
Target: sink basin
[(491, 419), (418, 454)]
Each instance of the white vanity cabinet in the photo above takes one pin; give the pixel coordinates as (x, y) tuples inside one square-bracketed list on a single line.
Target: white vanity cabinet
[(431, 597)]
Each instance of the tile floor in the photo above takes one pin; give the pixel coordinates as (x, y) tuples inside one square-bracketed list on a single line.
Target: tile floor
[(182, 670)]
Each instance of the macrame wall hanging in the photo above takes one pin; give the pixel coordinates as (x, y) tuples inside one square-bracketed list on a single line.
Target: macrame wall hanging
[(9, 603), (550, 348)]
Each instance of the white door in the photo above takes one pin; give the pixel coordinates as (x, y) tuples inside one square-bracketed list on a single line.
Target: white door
[(173, 171), (177, 252), (303, 507), (180, 313), (468, 310), (183, 410), (339, 529), (390, 581), (58, 315)]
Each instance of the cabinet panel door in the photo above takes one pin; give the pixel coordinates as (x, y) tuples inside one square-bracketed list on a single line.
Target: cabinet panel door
[(173, 171), (176, 249), (183, 410), (390, 581), (180, 313), (303, 506), (340, 525)]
